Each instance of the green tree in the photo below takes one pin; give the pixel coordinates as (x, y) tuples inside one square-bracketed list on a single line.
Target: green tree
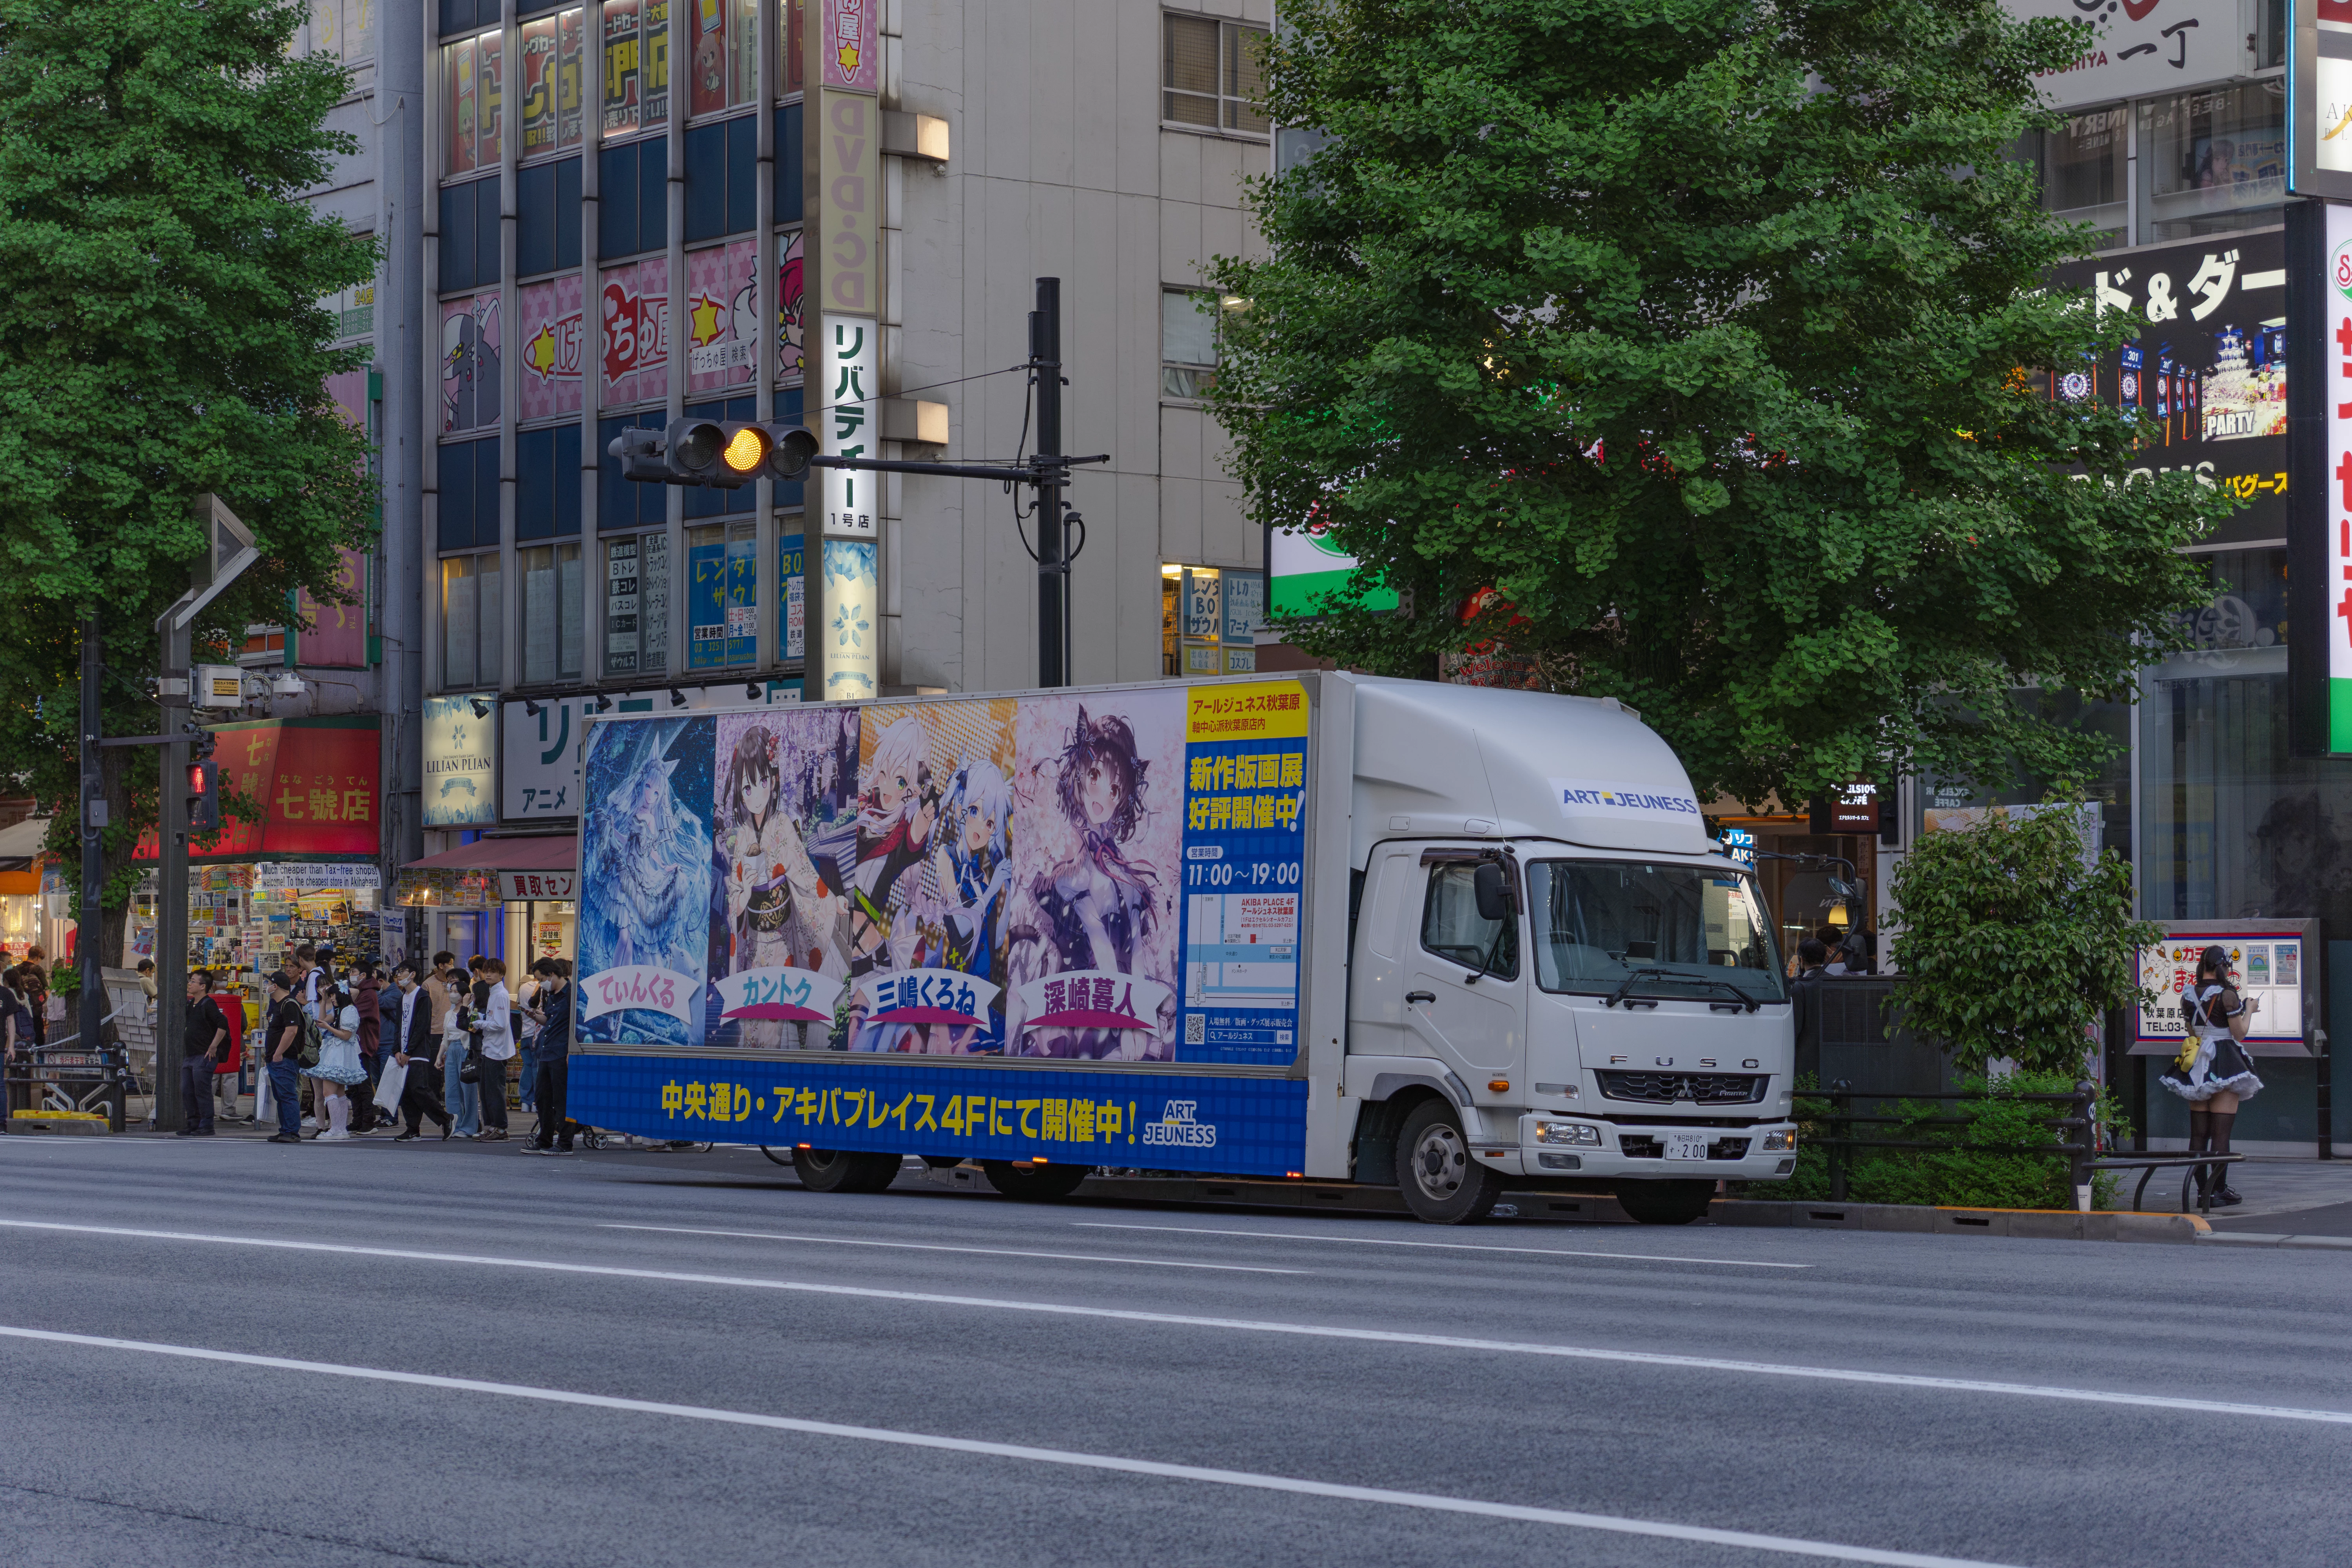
[(161, 335), (2013, 944), (1706, 334)]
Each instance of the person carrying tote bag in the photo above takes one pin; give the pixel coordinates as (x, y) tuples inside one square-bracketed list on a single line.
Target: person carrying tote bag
[(2212, 1072)]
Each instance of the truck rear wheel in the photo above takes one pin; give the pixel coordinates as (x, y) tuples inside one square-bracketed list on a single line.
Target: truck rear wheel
[(1665, 1203), (841, 1171), (1441, 1182), (1035, 1183)]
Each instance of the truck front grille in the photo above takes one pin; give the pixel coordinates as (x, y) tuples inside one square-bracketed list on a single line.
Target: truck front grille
[(1665, 1087)]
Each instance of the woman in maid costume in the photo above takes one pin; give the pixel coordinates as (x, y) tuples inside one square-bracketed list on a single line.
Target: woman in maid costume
[(2212, 1072)]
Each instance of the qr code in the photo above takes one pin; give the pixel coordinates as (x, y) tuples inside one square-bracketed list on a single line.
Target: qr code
[(1196, 1028)]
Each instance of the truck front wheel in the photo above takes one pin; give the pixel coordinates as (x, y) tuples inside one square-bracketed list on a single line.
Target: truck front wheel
[(1036, 1183), (1441, 1182), (841, 1171), (1665, 1203)]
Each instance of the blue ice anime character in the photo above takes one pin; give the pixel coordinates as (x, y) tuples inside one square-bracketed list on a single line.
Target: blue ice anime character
[(652, 869), (975, 872)]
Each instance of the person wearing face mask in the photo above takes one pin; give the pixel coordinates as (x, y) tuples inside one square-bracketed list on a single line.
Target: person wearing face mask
[(412, 1048)]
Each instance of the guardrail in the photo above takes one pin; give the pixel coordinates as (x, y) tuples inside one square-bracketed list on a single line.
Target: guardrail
[(60, 1081)]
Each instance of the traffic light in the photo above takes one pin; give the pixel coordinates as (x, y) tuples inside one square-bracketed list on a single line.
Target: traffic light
[(201, 742), (204, 798), (725, 453)]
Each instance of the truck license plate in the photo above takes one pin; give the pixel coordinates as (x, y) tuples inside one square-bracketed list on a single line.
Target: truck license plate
[(1685, 1146)]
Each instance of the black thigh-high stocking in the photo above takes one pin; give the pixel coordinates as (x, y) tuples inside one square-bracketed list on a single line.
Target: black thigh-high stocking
[(2200, 1133), (2222, 1121)]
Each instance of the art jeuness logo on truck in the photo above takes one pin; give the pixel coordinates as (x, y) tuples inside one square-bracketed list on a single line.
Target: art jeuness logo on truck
[(1598, 798)]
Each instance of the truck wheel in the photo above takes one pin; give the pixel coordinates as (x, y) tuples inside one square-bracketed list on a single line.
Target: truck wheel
[(1665, 1203), (1441, 1182), (840, 1171), (1036, 1184)]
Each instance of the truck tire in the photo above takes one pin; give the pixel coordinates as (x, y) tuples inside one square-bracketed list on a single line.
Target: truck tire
[(1441, 1182), (1036, 1184), (1665, 1203), (841, 1171)]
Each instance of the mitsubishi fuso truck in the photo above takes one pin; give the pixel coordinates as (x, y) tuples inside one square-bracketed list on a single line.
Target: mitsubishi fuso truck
[(1322, 927)]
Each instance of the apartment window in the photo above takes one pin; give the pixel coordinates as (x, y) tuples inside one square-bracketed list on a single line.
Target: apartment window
[(637, 65), (726, 53), (2084, 165), (472, 98), (554, 88), (470, 622), (550, 606), (636, 605), (1192, 328), (1212, 76)]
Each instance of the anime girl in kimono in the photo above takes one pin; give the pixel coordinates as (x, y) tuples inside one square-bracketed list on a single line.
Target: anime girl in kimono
[(1099, 905), (778, 911)]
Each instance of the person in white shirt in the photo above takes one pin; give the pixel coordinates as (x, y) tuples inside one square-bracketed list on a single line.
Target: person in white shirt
[(497, 1044)]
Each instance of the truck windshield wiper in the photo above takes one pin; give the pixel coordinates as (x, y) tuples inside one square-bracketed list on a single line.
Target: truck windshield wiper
[(1626, 986)]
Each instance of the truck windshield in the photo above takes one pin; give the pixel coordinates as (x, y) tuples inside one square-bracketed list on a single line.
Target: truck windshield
[(1675, 931)]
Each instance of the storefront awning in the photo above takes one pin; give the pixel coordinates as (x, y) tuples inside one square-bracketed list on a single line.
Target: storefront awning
[(492, 871), (20, 846)]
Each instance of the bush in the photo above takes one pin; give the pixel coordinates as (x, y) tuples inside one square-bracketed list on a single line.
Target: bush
[(1961, 1173)]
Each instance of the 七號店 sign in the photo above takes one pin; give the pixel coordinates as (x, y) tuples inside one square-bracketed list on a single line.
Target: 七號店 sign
[(317, 781)]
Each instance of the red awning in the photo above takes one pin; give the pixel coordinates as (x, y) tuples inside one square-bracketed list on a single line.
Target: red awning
[(540, 852)]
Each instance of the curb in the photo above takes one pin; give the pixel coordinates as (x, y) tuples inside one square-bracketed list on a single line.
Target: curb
[(2052, 1225), (2290, 1243)]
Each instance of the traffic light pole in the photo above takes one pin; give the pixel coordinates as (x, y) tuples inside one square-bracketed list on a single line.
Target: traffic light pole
[(87, 938), (1053, 565), (172, 893)]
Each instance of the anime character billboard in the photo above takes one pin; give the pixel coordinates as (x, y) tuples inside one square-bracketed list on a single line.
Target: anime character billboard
[(779, 923), (1097, 824), (645, 849)]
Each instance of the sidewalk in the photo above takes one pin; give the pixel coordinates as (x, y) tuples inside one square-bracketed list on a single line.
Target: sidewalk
[(2283, 1197)]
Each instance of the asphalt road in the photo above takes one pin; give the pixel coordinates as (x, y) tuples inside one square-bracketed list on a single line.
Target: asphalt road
[(638, 1358)]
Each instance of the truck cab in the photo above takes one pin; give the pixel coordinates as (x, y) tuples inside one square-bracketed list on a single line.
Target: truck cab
[(1554, 981)]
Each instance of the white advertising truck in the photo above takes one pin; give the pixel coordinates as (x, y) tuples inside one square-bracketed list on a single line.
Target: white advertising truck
[(1322, 927)]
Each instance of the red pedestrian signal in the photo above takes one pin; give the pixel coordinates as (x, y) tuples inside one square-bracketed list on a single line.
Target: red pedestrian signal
[(204, 798)]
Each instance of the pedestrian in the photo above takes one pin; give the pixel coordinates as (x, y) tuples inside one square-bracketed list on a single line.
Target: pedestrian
[(367, 993), (283, 1044), (413, 1047), (306, 962), (339, 1063), (33, 988), (494, 1044), (207, 1037), (16, 1039), (526, 997), (1805, 996), (2212, 1072), (447, 1002), (553, 1013), (147, 983)]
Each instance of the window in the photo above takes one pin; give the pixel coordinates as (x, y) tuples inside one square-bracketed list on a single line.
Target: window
[(1191, 326), (2217, 160), (2082, 167), (554, 91), (547, 217), (722, 597), (466, 495), (789, 39), (636, 604), (470, 622), (1675, 932), (625, 503), (726, 51), (470, 363), (1208, 620), (469, 233), (1451, 928), (547, 483), (721, 178), (471, 98), (633, 202), (788, 164), (551, 613), (1211, 75), (637, 65)]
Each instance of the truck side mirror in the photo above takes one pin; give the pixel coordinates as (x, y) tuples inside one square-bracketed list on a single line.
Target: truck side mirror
[(1491, 893)]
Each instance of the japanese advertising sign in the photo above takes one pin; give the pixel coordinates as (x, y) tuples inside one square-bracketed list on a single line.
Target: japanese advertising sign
[(470, 363), (1106, 877), (316, 781), (722, 599), (2268, 965), (1303, 567), (539, 776), (550, 340), (2319, 99), (722, 316), (335, 637), (2143, 47), (849, 634), (852, 56), (848, 422), (2319, 530), (636, 308), (849, 160), (460, 769), (2207, 373)]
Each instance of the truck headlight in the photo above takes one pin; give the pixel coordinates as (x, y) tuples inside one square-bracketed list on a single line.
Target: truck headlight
[(1781, 1141), (1582, 1132)]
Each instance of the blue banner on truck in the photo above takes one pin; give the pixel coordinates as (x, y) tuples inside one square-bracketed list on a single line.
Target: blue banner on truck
[(1146, 1121)]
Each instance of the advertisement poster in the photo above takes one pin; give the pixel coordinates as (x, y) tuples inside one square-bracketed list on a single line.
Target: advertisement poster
[(2268, 966), (335, 637), (722, 314), (551, 337), (1245, 858), (2207, 373), (636, 313), (315, 781), (460, 767), (541, 755), (646, 849), (791, 324), (470, 363), (722, 594)]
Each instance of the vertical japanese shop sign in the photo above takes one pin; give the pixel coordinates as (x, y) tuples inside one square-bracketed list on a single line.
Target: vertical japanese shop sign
[(2319, 99), (844, 369), (2319, 509)]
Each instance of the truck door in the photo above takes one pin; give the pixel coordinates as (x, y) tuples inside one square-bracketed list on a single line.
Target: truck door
[(1466, 999)]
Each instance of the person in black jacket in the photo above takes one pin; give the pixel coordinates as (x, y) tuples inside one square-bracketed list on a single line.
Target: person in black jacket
[(408, 1028), (207, 1037), (1805, 990)]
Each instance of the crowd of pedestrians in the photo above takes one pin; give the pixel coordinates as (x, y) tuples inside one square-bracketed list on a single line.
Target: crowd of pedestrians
[(389, 1049)]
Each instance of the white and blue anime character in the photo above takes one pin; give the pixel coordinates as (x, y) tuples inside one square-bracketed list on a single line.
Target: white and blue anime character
[(648, 858), (975, 871)]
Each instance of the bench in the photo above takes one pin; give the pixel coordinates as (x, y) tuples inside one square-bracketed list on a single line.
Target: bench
[(2187, 1164)]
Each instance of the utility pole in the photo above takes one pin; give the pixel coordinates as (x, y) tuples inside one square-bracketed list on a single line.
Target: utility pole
[(1053, 562), (87, 940), (171, 879)]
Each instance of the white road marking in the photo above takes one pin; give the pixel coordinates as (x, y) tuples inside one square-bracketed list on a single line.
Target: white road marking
[(1248, 1478), (1449, 1246), (934, 1246), (1251, 1325)]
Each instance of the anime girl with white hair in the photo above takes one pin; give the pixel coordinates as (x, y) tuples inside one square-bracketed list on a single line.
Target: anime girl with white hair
[(973, 864)]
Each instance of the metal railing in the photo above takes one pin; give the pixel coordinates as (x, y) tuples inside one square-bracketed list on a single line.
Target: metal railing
[(62, 1077)]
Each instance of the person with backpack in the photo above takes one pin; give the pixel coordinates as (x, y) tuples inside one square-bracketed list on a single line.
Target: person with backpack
[(2212, 1072), (283, 1043)]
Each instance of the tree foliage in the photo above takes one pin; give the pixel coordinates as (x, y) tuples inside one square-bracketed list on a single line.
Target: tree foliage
[(1706, 334), (162, 334), (2010, 945)]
